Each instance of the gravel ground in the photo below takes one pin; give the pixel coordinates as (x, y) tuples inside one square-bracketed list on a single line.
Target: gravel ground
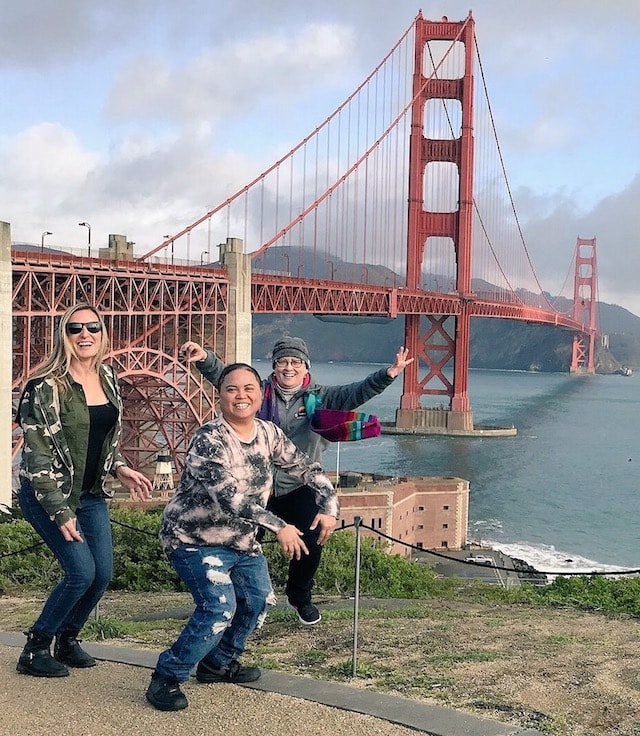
[(108, 700)]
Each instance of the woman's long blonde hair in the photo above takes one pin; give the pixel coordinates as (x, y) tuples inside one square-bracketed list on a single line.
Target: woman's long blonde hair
[(56, 366)]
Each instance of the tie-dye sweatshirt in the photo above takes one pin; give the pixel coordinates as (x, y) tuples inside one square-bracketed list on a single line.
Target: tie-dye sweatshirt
[(226, 483)]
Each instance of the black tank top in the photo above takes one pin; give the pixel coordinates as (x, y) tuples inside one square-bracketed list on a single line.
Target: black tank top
[(102, 419)]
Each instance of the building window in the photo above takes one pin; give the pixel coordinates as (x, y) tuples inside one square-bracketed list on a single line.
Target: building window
[(444, 544), (446, 508), (420, 526), (421, 508), (419, 545), (380, 522), (445, 526)]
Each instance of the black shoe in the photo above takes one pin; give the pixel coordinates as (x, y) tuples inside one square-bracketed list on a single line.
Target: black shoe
[(67, 650), (164, 693), (235, 672), (36, 659), (308, 614)]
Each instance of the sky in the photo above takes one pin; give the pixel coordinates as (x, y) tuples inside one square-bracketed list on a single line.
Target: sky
[(139, 116)]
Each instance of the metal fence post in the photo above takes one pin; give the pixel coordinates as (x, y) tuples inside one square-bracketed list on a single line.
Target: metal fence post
[(357, 521)]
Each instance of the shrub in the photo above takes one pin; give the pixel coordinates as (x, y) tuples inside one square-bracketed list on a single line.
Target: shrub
[(139, 564), (381, 575)]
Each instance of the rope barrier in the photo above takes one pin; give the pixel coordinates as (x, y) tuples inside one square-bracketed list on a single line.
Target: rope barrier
[(413, 547)]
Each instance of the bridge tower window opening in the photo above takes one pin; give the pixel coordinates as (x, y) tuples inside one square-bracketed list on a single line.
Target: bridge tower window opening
[(444, 59), (439, 265), (442, 119), (441, 187)]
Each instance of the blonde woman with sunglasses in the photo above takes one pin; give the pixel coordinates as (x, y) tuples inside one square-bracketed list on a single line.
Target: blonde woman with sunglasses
[(70, 413)]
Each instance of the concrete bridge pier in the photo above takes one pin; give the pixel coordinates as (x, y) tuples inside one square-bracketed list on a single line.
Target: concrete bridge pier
[(442, 421), (238, 266), (434, 420)]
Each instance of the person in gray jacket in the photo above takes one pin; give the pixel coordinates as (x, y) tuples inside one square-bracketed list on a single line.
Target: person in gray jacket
[(290, 397)]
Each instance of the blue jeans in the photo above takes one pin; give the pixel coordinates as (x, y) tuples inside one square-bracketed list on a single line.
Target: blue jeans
[(87, 566), (232, 591)]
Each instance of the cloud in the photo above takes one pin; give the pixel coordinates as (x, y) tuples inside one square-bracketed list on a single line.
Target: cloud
[(554, 222), (40, 167), (140, 115), (233, 78)]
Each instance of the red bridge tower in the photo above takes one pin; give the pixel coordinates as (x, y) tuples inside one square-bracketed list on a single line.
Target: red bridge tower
[(436, 346)]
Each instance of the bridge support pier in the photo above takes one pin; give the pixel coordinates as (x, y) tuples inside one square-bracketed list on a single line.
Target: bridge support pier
[(238, 266), (6, 353), (434, 421)]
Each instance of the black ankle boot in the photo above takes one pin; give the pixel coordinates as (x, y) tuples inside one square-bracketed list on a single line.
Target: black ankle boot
[(36, 659), (67, 650)]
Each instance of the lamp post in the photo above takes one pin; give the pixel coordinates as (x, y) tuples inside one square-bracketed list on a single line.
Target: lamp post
[(329, 262), (44, 234), (86, 224), (166, 237), (202, 255)]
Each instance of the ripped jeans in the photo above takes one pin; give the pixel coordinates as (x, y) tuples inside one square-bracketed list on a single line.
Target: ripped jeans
[(232, 591)]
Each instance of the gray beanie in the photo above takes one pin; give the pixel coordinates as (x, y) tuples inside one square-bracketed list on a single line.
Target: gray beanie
[(291, 347)]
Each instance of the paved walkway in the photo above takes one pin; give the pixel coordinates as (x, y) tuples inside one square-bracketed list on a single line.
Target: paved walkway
[(108, 700)]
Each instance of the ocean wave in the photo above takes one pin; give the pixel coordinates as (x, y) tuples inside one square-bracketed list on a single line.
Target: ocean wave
[(546, 558)]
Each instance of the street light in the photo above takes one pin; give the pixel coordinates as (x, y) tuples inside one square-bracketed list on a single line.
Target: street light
[(166, 237), (44, 234), (329, 262), (202, 255), (86, 224)]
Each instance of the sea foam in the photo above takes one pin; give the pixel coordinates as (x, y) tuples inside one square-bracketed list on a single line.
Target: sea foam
[(548, 559)]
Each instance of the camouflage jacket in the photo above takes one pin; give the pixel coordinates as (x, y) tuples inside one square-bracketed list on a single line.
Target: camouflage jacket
[(55, 430), (226, 483)]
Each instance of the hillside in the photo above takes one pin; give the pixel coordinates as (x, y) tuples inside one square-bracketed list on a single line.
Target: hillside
[(495, 343)]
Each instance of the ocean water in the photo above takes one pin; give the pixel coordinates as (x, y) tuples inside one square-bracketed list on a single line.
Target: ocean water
[(564, 494)]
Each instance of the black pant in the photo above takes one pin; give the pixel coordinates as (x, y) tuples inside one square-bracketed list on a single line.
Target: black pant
[(300, 508)]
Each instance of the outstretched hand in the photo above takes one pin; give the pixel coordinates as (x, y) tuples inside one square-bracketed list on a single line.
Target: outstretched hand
[(400, 363), (193, 352)]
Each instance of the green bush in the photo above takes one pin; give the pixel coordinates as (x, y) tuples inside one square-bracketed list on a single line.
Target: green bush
[(381, 575), (25, 561), (141, 566), (594, 593)]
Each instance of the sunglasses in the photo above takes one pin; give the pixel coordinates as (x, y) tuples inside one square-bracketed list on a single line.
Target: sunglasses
[(75, 328)]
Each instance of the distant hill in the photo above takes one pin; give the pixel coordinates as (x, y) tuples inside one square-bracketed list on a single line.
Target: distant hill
[(495, 343)]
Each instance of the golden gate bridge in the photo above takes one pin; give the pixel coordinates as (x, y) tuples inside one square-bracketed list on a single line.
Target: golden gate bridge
[(402, 192)]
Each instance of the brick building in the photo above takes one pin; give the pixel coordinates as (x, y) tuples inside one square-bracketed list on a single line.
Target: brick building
[(424, 512)]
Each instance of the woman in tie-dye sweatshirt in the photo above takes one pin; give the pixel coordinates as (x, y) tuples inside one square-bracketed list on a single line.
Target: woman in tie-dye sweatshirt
[(209, 532)]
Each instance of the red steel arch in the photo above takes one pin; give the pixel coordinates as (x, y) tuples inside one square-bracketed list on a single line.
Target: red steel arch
[(149, 310)]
